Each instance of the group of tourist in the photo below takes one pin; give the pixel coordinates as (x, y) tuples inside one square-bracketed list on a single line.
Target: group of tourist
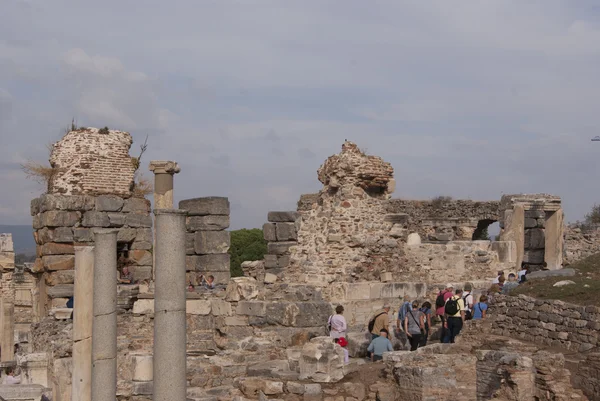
[(207, 283), (502, 285)]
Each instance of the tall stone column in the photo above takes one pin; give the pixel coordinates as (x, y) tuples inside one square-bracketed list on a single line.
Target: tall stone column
[(169, 370), (554, 240), (83, 317), (8, 330), (104, 328), (514, 230), (163, 182)]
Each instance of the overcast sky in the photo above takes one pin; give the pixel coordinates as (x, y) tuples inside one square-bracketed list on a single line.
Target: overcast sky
[(470, 99)]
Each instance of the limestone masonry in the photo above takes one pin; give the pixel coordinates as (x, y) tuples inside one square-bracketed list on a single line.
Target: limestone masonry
[(263, 336)]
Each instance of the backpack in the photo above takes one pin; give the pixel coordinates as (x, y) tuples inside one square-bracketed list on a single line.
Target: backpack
[(439, 301), (468, 312), (372, 321), (329, 324), (451, 307)]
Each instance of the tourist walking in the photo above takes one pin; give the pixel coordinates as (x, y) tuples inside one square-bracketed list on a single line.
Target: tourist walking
[(455, 316), (440, 303), (337, 323), (468, 300), (426, 309), (414, 326), (511, 284), (404, 308), (379, 345), (480, 308)]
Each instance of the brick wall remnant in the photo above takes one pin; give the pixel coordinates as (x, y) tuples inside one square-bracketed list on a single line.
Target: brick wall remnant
[(90, 161), (207, 239)]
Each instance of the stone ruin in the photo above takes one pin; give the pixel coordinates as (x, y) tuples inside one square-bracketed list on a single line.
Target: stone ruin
[(262, 336)]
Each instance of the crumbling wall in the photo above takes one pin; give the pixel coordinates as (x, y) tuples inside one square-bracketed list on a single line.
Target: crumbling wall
[(207, 241), (581, 242), (62, 222), (281, 233), (93, 162)]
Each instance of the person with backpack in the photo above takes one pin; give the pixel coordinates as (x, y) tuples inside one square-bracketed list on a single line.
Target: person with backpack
[(480, 308), (414, 326), (455, 316), (426, 309), (380, 320), (440, 303), (337, 323), (406, 306), (467, 297)]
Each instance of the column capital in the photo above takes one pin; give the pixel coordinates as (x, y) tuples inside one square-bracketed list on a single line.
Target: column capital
[(164, 167)]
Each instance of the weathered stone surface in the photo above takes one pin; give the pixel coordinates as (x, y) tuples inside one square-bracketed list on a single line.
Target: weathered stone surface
[(217, 262), (109, 203), (413, 239), (241, 288), (60, 277), (141, 257), (116, 219), (126, 234), (61, 202), (52, 248), (283, 217), (207, 242), (198, 306), (322, 361), (60, 291), (143, 306), (190, 239), (269, 232), (142, 367), (298, 314), (220, 308), (270, 278), (207, 223), (136, 205), (550, 273), (251, 308), (534, 238), (206, 206), (63, 234), (141, 273), (562, 283), (141, 245), (280, 248), (83, 234), (534, 256), (286, 231), (95, 219), (554, 240), (398, 218), (56, 218), (530, 223), (138, 220)]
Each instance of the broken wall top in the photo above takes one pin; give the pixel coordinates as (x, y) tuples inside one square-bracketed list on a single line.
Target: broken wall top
[(94, 162), (531, 201), (353, 168)]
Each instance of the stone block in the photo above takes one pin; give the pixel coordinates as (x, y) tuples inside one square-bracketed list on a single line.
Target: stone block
[(83, 234), (216, 262), (413, 239), (63, 202), (298, 314), (213, 205), (56, 218), (220, 308), (63, 234), (533, 256), (95, 219), (535, 214), (126, 234), (138, 220), (534, 238), (142, 368), (398, 218), (60, 277), (116, 219), (283, 217), (141, 245), (207, 223), (386, 277), (270, 278), (286, 232), (143, 306), (322, 361), (270, 261), (530, 223), (144, 234), (52, 248), (60, 291), (208, 242), (189, 243), (269, 232), (109, 203), (241, 288), (280, 248), (136, 205), (198, 306), (507, 251), (141, 257), (59, 262), (251, 308), (141, 273), (236, 320), (358, 291)]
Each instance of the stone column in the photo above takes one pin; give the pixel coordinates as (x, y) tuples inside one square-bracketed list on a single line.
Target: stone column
[(83, 317), (163, 182), (104, 327), (8, 331), (554, 240), (169, 369), (514, 230)]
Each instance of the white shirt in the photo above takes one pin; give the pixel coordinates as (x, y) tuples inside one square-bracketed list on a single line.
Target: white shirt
[(496, 280), (520, 274), (468, 300), (12, 380), (338, 326)]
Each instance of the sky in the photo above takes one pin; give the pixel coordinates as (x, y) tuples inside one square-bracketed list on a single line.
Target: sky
[(468, 99)]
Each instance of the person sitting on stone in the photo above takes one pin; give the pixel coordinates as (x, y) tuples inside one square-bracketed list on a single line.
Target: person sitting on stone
[(501, 281), (379, 345), (10, 377), (208, 282), (522, 273), (337, 323), (126, 276), (191, 288), (342, 342), (497, 279), (511, 284)]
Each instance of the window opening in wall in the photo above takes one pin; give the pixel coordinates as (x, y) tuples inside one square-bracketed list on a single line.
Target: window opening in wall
[(482, 230)]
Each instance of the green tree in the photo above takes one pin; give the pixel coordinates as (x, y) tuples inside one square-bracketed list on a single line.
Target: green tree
[(593, 217), (246, 245)]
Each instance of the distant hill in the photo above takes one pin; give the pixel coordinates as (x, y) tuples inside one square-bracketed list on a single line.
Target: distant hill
[(22, 238)]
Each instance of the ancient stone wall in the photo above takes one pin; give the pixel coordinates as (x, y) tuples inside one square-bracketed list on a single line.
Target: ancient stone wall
[(7, 252), (64, 221), (207, 241), (93, 162), (552, 323), (281, 233), (581, 242)]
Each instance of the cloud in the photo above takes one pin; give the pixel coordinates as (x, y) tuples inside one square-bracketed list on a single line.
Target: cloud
[(468, 99)]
